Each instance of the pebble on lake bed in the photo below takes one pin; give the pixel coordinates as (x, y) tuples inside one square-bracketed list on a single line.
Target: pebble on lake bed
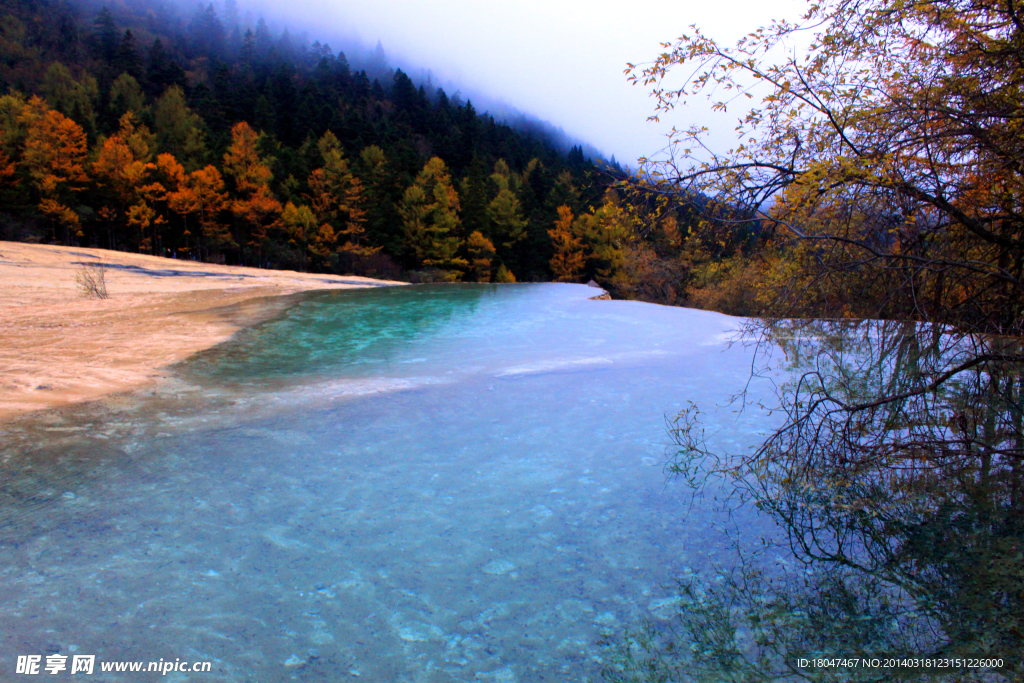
[(498, 567)]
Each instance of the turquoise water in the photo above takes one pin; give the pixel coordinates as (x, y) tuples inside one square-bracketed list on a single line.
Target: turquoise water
[(440, 483)]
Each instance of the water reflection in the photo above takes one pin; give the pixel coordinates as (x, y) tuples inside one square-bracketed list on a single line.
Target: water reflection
[(897, 481)]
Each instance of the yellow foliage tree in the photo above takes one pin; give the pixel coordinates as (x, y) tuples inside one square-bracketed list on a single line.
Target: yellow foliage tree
[(336, 195), (430, 216), (892, 147), (481, 252), (569, 258)]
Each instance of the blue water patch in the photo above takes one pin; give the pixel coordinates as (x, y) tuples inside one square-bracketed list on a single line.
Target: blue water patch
[(441, 483)]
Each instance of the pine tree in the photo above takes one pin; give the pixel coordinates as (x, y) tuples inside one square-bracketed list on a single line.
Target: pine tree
[(161, 70), (383, 195), (128, 60), (105, 36)]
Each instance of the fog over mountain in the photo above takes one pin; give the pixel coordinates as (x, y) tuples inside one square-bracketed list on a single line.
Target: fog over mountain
[(558, 61)]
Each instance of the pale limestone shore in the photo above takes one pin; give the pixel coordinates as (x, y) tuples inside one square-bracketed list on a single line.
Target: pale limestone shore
[(58, 346)]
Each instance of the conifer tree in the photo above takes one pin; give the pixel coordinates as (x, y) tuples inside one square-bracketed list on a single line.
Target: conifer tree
[(504, 275), (255, 205), (105, 35), (306, 233), (481, 252), (124, 166), (506, 219), (337, 198), (430, 216), (126, 96), (383, 195), (179, 130), (54, 158), (567, 263), (77, 100)]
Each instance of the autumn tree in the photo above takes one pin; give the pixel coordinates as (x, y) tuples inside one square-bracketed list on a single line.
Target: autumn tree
[(125, 166), (567, 263), (883, 166), (890, 148), (54, 158), (199, 194), (481, 253), (336, 197), (604, 232), (430, 216), (503, 275), (306, 233), (255, 205), (206, 188)]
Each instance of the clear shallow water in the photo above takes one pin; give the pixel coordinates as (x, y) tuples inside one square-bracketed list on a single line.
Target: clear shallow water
[(454, 483)]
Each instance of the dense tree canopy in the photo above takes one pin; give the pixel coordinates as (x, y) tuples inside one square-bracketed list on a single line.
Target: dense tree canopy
[(890, 150)]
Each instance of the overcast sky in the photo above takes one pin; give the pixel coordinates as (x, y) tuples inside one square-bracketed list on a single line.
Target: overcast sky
[(560, 60)]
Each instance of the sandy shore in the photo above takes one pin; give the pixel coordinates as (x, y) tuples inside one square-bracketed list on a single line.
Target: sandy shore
[(58, 346)]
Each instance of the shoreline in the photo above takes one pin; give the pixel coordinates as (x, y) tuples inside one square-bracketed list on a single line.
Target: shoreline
[(58, 347)]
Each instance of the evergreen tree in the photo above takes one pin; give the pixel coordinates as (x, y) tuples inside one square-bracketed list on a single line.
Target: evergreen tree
[(161, 70), (207, 33), (105, 36), (172, 197), (128, 60)]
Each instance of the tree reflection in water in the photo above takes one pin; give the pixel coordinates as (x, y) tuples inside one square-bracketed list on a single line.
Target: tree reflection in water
[(896, 480)]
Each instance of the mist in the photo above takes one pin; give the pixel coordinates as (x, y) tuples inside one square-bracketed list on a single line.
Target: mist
[(559, 62)]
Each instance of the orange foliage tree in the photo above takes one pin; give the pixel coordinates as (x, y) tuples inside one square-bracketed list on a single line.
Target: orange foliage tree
[(481, 254), (255, 206), (124, 165), (54, 158), (200, 193)]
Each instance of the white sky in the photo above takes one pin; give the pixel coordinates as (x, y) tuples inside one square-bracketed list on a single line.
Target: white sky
[(559, 60)]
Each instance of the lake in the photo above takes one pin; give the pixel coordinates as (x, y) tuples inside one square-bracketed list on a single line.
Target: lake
[(429, 483)]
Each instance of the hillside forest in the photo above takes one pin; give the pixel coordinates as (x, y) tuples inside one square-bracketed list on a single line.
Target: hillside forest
[(138, 127)]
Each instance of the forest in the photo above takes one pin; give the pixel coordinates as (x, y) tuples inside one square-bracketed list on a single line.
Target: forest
[(140, 128)]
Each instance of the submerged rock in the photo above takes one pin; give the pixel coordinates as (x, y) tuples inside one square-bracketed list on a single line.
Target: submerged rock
[(498, 567)]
